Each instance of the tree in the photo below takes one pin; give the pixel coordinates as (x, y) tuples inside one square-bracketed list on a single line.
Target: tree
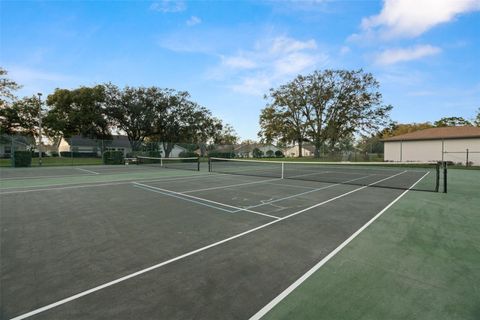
[(395, 129), (10, 119), (324, 108), (226, 135), (371, 144), (135, 111), (184, 121), (452, 122), (78, 112), (7, 88), (284, 118), (476, 122), (20, 117)]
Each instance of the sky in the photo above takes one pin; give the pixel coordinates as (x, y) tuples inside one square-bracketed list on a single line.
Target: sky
[(228, 54)]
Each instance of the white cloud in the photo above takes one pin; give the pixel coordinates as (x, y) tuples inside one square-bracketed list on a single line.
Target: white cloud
[(255, 85), (167, 6), (392, 56), (271, 61), (293, 63), (193, 21), (36, 80), (411, 18), (285, 45), (26, 75), (238, 62), (344, 50)]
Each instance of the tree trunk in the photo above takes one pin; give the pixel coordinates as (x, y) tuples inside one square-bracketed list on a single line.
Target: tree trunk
[(318, 146), (168, 147), (300, 147)]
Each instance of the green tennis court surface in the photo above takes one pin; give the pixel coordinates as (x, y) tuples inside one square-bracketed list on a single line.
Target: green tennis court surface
[(141, 242)]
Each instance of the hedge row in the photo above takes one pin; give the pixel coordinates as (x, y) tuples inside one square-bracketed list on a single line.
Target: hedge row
[(22, 158), (76, 154), (113, 157)]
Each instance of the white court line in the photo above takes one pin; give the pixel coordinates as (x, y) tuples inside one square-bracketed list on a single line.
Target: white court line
[(182, 196), (52, 176), (230, 186), (293, 185), (89, 171), (301, 194), (67, 185), (113, 183), (310, 272), (135, 274)]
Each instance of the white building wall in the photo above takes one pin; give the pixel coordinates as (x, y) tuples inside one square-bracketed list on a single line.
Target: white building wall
[(428, 150), (392, 151), (456, 151), (295, 151), (431, 150)]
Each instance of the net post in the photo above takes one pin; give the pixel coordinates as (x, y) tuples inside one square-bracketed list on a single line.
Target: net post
[(445, 177), (466, 163), (209, 164), (283, 169), (198, 164), (437, 176)]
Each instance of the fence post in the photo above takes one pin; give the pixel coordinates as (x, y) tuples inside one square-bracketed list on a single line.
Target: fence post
[(12, 152), (466, 163)]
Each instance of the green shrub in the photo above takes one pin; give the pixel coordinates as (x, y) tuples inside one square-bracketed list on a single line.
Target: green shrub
[(257, 153), (269, 153), (22, 159), (113, 157), (279, 154)]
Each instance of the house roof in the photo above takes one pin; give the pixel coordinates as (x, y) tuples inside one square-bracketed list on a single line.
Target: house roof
[(117, 141), (250, 147), (438, 133), (308, 147)]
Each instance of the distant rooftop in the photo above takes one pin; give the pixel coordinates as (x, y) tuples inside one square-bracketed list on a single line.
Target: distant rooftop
[(438, 133)]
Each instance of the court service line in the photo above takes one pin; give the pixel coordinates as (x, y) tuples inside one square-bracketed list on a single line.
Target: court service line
[(113, 183), (322, 262), (292, 185), (230, 186), (301, 194), (185, 255), (182, 196), (89, 171)]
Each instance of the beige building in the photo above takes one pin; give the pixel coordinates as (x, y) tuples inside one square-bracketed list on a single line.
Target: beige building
[(455, 144), (307, 151)]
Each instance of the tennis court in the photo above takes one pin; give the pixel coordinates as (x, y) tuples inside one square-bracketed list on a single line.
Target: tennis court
[(142, 242)]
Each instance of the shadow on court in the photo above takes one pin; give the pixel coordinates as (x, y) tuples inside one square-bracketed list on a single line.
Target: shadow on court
[(210, 247)]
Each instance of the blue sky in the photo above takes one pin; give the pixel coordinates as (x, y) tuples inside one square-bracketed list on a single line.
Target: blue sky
[(227, 54)]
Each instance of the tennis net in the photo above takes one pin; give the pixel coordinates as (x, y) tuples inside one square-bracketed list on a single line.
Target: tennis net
[(423, 176), (192, 163)]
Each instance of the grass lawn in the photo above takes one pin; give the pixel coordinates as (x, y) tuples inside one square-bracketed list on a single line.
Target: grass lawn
[(419, 260), (57, 161)]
